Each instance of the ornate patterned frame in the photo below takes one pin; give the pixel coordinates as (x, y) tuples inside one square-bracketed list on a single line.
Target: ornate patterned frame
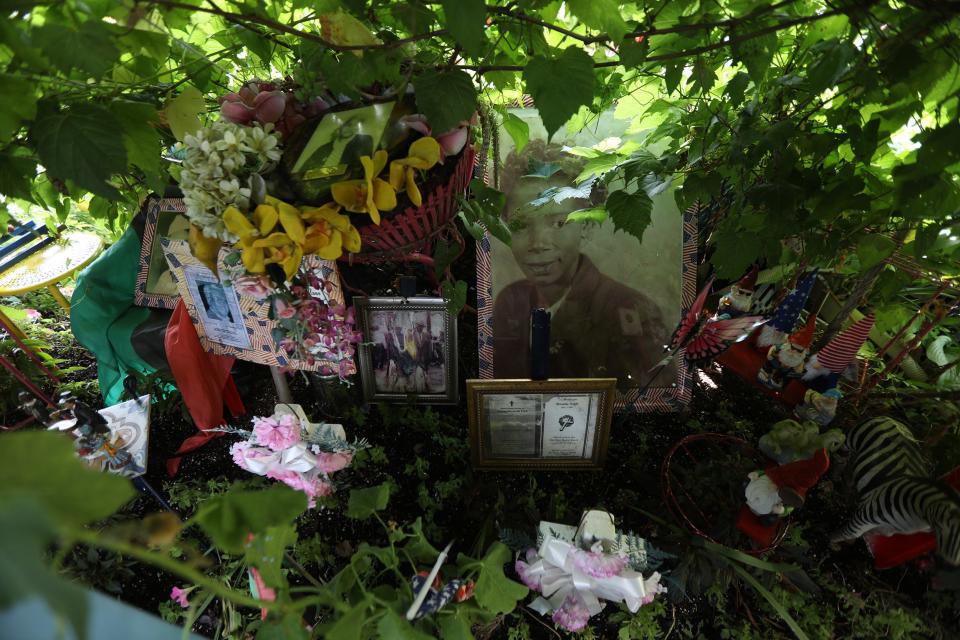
[(155, 207)]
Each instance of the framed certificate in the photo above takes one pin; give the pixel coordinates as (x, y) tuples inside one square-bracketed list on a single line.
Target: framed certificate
[(540, 424)]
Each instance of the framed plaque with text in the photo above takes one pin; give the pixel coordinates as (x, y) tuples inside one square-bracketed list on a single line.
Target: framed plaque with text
[(540, 424)]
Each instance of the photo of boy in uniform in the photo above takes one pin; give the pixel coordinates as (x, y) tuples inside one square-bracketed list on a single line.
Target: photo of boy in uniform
[(600, 327)]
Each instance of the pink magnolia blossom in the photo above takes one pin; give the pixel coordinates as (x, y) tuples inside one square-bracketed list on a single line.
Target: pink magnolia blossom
[(277, 433), (330, 462), (179, 596)]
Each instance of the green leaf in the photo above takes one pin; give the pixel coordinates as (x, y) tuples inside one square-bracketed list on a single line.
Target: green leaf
[(255, 43), (42, 465), (18, 102), (673, 73), (756, 54), (391, 625), (289, 627), (350, 626), (600, 14), (454, 627), (81, 144), (633, 53), (16, 174), (495, 592), (140, 138), (703, 75), (182, 112), (265, 552), (364, 503), (88, 48), (455, 293), (26, 532), (832, 62), (446, 98), (593, 214), (558, 100), (630, 212), (518, 130), (769, 597), (229, 518), (444, 253), (736, 88), (466, 19), (874, 248)]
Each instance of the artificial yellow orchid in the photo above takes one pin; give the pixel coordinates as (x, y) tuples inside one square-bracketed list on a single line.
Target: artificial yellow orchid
[(203, 248), (370, 195), (329, 232), (258, 246), (423, 154)]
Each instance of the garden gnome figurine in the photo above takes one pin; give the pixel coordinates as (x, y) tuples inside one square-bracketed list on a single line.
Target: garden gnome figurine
[(775, 492), (819, 407), (787, 360), (787, 315), (834, 358), (736, 302)]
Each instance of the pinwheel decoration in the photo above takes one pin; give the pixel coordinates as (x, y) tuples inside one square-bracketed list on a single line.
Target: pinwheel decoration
[(703, 336)]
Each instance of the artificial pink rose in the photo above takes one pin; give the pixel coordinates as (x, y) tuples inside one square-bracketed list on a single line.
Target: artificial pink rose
[(257, 287), (283, 310), (258, 460), (277, 433), (179, 596), (330, 462)]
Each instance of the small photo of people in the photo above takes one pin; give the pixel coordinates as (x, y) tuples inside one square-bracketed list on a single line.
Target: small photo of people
[(407, 353)]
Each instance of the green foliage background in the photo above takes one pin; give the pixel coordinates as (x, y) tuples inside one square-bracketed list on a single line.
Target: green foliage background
[(834, 124)]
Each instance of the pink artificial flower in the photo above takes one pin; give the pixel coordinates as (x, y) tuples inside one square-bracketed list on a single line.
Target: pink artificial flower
[(598, 565), (284, 310), (32, 315), (257, 287), (330, 462), (572, 614), (179, 596), (523, 570), (254, 459), (452, 142), (277, 433), (238, 450)]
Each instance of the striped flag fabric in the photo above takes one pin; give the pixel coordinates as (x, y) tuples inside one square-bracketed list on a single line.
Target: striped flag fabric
[(788, 312), (840, 351)]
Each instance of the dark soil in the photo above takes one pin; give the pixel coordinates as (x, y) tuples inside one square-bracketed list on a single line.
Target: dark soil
[(472, 512)]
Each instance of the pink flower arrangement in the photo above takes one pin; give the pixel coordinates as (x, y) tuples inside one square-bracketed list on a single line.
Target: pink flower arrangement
[(277, 433), (572, 614), (280, 448), (598, 564), (269, 102)]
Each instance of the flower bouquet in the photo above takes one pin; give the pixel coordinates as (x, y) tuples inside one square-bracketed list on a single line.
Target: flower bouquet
[(288, 447), (281, 177)]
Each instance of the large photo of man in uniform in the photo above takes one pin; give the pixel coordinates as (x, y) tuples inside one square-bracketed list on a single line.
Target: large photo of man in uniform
[(613, 300)]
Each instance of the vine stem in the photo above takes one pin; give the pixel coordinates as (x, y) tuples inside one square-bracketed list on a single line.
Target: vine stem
[(169, 564)]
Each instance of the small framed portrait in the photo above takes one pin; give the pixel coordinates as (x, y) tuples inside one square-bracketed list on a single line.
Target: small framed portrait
[(534, 424), (217, 306), (614, 298), (409, 350), (165, 219)]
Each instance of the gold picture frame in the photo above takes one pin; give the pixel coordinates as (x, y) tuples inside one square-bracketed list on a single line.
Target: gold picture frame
[(518, 424)]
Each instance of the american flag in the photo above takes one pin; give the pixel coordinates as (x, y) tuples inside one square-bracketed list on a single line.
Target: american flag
[(786, 316), (840, 351)]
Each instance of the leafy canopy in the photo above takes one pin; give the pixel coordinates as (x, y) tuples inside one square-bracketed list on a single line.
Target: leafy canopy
[(829, 126)]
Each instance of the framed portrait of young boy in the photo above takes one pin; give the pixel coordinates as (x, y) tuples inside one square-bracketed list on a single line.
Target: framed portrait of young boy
[(409, 350), (540, 424), (614, 299)]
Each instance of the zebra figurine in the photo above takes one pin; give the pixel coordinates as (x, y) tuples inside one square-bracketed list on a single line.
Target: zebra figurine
[(894, 491)]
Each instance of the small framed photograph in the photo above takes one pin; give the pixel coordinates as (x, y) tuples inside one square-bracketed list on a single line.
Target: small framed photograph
[(540, 424), (218, 308), (166, 218), (409, 350)]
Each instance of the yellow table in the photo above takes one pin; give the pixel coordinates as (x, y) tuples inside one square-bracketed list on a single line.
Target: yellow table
[(71, 251)]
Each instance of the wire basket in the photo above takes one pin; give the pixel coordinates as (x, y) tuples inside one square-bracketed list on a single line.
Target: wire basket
[(704, 506), (412, 230)]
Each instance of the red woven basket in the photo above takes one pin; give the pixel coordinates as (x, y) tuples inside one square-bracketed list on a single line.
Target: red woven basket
[(412, 230)]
